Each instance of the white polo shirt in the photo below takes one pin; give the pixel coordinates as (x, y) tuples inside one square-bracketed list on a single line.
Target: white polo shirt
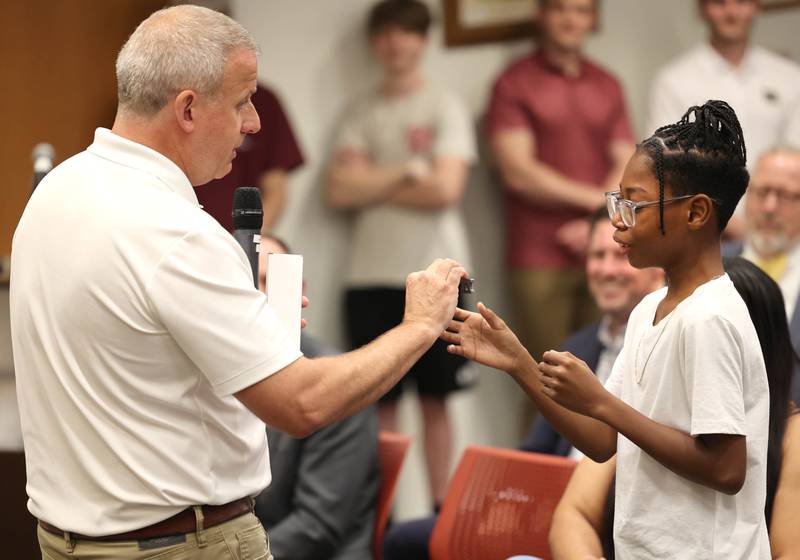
[(764, 90), (134, 320)]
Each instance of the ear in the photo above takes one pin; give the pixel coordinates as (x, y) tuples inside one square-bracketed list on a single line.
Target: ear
[(183, 108), (700, 212)]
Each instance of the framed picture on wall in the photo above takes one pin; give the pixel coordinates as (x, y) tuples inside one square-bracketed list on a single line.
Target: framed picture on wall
[(468, 22), (779, 4)]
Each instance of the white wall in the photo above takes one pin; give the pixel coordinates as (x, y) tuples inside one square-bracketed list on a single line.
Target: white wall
[(314, 55)]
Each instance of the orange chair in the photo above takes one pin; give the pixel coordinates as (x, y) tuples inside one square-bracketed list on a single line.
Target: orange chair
[(499, 504), (392, 450)]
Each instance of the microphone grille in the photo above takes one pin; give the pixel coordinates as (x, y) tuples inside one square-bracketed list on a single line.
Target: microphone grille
[(43, 149), (247, 210)]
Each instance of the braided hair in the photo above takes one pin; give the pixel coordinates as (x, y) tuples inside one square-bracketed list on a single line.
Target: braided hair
[(703, 153)]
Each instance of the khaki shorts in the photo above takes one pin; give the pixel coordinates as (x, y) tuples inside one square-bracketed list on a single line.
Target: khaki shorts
[(241, 538)]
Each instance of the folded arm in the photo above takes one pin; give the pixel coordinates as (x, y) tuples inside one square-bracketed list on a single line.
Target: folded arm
[(525, 175), (353, 181), (442, 188)]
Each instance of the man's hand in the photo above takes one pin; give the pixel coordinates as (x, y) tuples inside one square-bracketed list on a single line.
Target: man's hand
[(569, 382), (574, 235), (485, 338), (304, 303), (418, 168), (432, 294)]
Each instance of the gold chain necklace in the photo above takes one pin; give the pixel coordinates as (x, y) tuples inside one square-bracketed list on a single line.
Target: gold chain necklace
[(637, 374)]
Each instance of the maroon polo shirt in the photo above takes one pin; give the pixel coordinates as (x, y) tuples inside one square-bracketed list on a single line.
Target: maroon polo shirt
[(573, 121), (272, 147)]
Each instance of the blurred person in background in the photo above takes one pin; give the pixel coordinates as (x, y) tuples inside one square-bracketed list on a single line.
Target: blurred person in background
[(559, 131), (761, 86), (399, 166), (264, 160), (772, 232), (320, 504)]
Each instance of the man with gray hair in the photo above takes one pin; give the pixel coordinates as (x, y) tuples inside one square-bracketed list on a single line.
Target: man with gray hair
[(146, 361), (772, 232)]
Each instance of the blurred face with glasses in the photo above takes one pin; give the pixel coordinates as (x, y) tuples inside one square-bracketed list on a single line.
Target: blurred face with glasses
[(772, 204)]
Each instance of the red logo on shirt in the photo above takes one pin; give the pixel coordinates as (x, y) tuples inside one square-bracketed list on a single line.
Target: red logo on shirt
[(420, 139)]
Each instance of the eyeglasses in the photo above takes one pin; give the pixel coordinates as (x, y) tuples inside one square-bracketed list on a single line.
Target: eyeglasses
[(626, 209), (761, 193)]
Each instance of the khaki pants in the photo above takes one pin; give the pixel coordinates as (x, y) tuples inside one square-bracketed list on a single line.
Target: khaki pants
[(241, 538), (549, 306)]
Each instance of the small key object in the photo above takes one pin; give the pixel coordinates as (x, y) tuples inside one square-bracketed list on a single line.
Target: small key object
[(466, 286)]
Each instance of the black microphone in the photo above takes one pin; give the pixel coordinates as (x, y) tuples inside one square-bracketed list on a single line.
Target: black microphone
[(42, 155), (248, 216)]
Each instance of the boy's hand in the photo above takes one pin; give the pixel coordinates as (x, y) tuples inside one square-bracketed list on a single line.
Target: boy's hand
[(569, 382), (485, 338)]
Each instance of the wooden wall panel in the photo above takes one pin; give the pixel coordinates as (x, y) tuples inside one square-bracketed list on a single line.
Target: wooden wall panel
[(57, 59)]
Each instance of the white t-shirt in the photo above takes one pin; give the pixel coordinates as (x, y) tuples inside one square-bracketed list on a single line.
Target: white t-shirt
[(704, 374), (134, 320), (389, 242), (764, 90)]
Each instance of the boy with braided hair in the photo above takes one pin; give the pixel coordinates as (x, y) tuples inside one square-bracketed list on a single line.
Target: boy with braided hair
[(686, 406)]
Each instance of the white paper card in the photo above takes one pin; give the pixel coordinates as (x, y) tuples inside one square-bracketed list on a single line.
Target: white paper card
[(285, 291)]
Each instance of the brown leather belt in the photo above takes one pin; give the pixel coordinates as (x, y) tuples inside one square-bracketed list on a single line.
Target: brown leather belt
[(181, 523)]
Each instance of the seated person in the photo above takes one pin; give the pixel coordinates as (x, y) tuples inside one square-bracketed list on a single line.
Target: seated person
[(616, 287), (321, 502), (581, 528)]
